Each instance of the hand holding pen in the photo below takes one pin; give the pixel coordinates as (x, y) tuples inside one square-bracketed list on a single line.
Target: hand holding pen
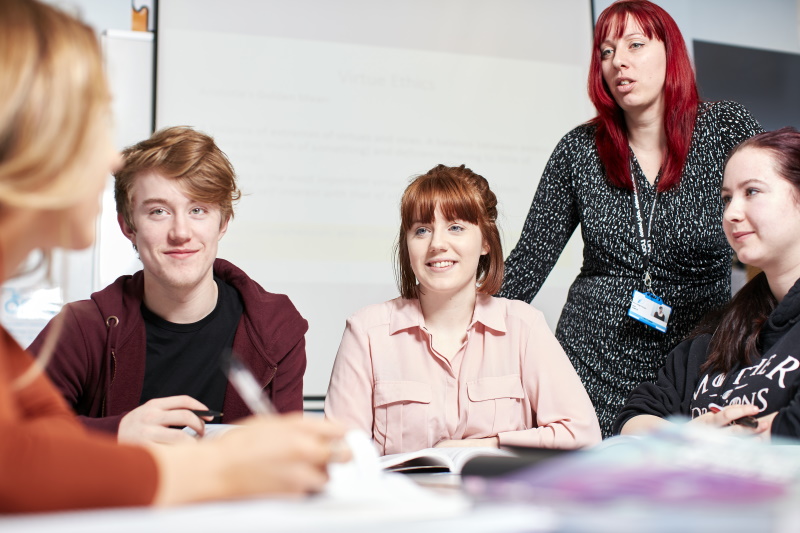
[(738, 415), (326, 434), (248, 388), (158, 421)]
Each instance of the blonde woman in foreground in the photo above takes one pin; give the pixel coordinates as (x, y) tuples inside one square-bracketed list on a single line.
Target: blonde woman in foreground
[(55, 155)]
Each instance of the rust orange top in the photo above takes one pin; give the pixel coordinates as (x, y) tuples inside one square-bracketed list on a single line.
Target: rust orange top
[(49, 461)]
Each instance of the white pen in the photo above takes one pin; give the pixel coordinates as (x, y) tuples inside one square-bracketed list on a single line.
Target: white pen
[(248, 388)]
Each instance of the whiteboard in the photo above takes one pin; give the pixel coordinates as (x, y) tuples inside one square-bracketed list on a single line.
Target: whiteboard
[(326, 109)]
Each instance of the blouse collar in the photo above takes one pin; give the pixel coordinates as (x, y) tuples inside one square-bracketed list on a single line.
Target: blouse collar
[(489, 311)]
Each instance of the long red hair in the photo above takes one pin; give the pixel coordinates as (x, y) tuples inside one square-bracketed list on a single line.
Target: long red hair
[(680, 94)]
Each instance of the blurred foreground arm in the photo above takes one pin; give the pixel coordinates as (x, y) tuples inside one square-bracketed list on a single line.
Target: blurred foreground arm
[(270, 455)]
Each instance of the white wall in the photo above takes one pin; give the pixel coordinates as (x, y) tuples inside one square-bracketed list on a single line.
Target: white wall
[(768, 24), (129, 66)]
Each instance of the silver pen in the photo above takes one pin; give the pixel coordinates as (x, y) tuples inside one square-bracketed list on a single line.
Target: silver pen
[(248, 388)]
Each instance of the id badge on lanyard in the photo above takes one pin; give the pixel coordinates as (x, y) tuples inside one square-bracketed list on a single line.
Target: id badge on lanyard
[(646, 307), (649, 309)]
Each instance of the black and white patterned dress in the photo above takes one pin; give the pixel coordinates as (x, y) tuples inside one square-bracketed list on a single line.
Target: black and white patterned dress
[(689, 262)]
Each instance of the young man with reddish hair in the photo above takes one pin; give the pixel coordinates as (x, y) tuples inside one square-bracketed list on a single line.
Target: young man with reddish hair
[(145, 352)]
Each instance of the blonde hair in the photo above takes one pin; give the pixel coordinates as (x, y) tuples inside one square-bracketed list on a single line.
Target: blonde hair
[(54, 105), (54, 102)]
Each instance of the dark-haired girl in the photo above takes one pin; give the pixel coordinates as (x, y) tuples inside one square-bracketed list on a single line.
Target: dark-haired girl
[(642, 179), (745, 363)]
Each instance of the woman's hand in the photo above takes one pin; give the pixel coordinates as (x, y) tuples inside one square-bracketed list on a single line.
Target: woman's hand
[(764, 430), (285, 454), (486, 442), (727, 417)]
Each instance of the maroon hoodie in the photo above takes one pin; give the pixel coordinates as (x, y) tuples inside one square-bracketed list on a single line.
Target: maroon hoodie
[(99, 361)]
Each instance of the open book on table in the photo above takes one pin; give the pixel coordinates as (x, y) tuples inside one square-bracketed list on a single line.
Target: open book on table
[(438, 459)]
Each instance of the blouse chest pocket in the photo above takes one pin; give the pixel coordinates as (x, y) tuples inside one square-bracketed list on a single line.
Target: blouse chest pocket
[(401, 415), (495, 406)]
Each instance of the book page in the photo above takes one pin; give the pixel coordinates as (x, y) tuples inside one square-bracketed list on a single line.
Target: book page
[(428, 459), (438, 459)]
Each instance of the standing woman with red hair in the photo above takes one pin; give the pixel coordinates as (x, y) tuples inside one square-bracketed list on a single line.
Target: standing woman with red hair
[(642, 179)]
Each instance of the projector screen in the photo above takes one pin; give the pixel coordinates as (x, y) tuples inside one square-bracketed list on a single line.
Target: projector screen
[(327, 109)]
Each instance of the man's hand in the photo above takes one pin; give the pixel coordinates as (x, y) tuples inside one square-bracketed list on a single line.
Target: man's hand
[(150, 423)]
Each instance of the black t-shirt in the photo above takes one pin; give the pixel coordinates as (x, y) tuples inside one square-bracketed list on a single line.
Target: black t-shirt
[(186, 358)]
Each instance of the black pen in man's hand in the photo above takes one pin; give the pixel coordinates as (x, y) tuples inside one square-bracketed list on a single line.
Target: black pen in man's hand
[(207, 412)]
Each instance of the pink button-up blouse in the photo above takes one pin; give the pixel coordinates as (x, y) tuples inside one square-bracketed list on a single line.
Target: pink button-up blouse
[(510, 379)]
